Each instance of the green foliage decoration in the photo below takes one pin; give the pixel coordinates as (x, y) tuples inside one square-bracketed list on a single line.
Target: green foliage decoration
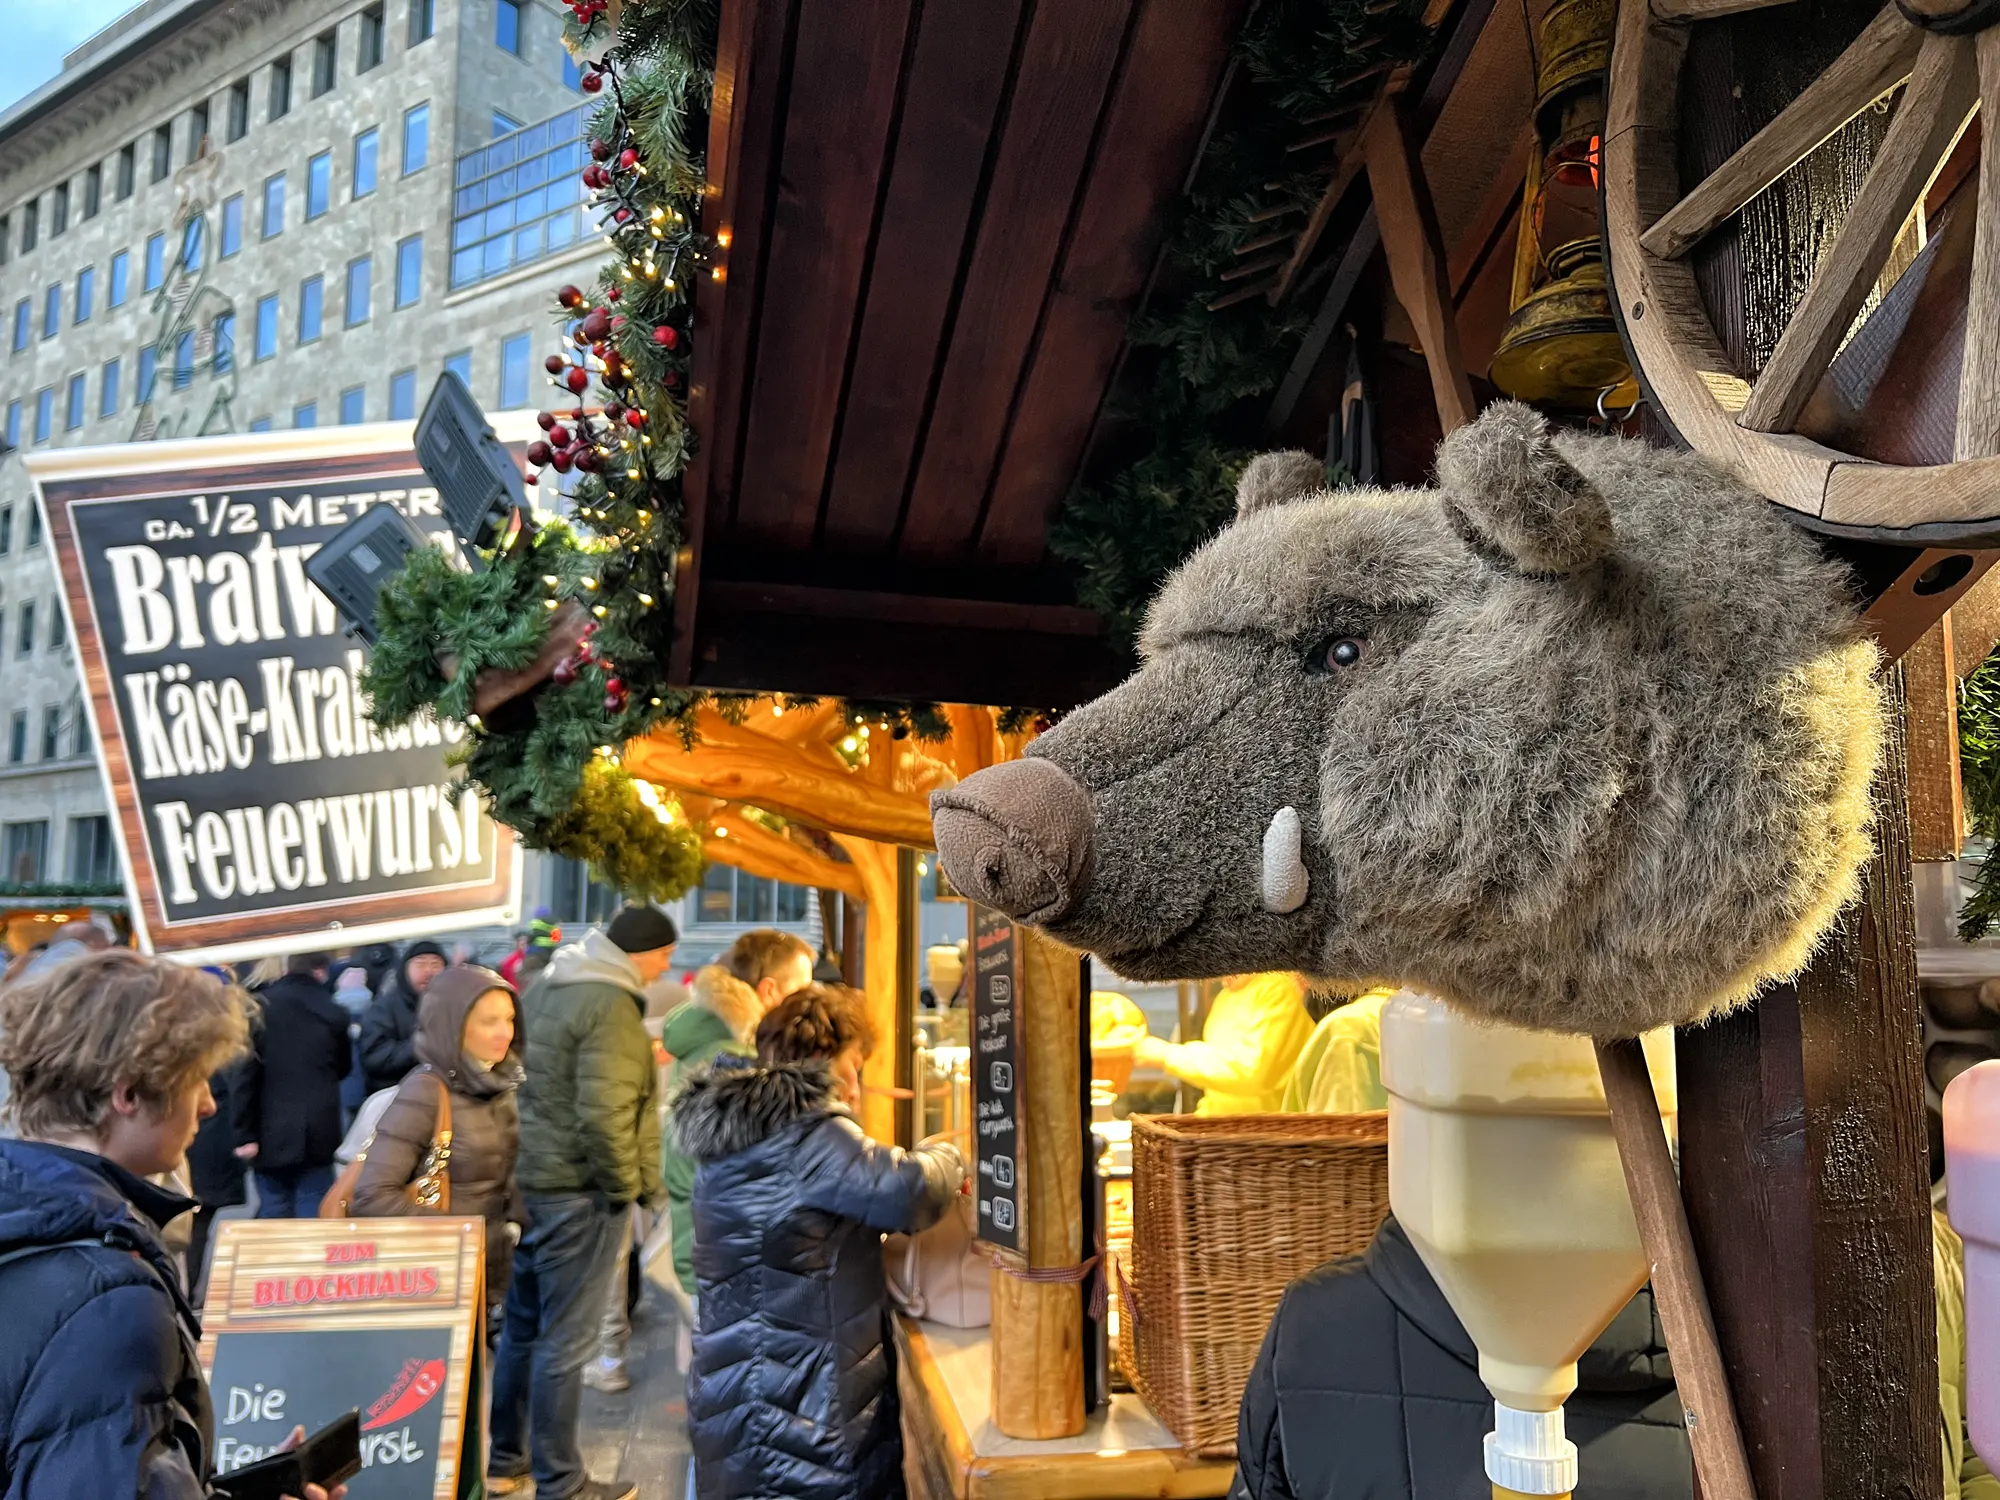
[(1979, 776)]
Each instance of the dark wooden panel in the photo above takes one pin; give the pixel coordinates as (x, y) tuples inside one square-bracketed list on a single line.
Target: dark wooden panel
[(742, 132), (958, 71), (811, 604), (1803, 1168), (1051, 122), (1149, 135), (843, 77)]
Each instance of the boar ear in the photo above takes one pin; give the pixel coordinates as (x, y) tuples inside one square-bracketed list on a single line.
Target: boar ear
[(1278, 478), (1509, 491)]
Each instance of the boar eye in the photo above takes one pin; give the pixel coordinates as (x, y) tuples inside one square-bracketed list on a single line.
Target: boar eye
[(1335, 655)]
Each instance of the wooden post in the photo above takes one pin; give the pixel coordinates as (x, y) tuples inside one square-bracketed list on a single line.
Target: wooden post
[(1803, 1172), (1937, 806), (909, 1123), (1038, 1326)]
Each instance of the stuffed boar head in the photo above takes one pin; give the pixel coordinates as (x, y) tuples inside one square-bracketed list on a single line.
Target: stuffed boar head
[(1581, 739)]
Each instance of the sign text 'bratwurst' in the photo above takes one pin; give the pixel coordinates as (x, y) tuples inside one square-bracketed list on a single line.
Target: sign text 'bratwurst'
[(261, 784)]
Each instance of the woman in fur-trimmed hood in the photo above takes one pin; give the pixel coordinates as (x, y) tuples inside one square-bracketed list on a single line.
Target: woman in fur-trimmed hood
[(791, 1391)]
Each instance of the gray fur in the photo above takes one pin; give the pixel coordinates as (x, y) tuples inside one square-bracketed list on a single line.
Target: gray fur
[(1614, 778), (1278, 479), (735, 1102)]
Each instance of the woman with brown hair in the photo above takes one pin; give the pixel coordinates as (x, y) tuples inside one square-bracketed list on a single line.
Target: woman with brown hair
[(101, 1393)]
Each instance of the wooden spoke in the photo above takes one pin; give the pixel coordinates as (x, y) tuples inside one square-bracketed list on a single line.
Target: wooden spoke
[(1702, 10), (1879, 59), (1979, 380), (1943, 86)]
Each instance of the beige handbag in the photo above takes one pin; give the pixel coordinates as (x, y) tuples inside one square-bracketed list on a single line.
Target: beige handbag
[(429, 1190), (941, 1274)]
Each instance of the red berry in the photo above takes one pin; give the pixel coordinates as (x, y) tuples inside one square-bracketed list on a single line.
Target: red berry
[(613, 687), (618, 321), (589, 461), (635, 418), (600, 149), (578, 379), (623, 215), (539, 453), (628, 158), (555, 364), (559, 436), (673, 380), (666, 336), (613, 705), (545, 420), (560, 462), (613, 293), (592, 82), (565, 672), (596, 324), (569, 296), (589, 628)]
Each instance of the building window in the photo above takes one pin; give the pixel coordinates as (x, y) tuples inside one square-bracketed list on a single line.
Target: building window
[(239, 111), (149, 361), (52, 726), (311, 293), (353, 403), (232, 224), (729, 895), (27, 843), (128, 170), (13, 441), (403, 396), (17, 751), (504, 124), (59, 210), (371, 40), (55, 625), (460, 364), (360, 289), (45, 412), (260, 424), (24, 638), (423, 20), (121, 270), (274, 206), (163, 152), (107, 390), (34, 528), (410, 271), (52, 311), (365, 145), (306, 414), (93, 859), (156, 261), (326, 48), (572, 74), (225, 342), (197, 130), (517, 200), (75, 407), (319, 184), (86, 292), (416, 137), (184, 360), (30, 212), (93, 190), (507, 26), (514, 372), (24, 323), (267, 327), (191, 243), (281, 88), (6, 237)]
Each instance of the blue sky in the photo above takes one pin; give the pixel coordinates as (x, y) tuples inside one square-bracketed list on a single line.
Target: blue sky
[(39, 34)]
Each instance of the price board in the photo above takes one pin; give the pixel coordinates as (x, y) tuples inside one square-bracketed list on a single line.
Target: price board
[(997, 1082)]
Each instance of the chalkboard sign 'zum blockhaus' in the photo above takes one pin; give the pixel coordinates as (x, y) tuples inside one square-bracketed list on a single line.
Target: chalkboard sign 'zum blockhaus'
[(257, 808), (998, 1084)]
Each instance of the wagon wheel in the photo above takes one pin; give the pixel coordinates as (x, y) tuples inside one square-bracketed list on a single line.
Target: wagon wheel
[(1949, 508)]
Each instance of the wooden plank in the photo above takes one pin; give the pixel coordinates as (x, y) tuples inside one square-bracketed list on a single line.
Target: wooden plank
[(1979, 383), (1937, 805), (1942, 88), (1155, 117), (1346, 274), (1067, 67), (1803, 1171), (811, 602), (1876, 62), (749, 67), (1416, 258), (838, 112), (1502, 202), (1975, 625), (1679, 1295), (1308, 237), (952, 96)]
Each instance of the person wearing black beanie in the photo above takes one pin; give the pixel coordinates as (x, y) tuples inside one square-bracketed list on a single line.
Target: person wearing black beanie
[(389, 1026), (590, 1149)]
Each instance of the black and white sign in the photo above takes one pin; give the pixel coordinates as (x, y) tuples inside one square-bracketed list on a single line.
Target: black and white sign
[(996, 1078)]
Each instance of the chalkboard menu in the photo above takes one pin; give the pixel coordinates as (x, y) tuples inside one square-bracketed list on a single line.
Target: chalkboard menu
[(308, 1319), (996, 1078)]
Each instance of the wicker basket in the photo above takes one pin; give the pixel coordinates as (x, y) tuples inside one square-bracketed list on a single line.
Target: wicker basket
[(1225, 1213)]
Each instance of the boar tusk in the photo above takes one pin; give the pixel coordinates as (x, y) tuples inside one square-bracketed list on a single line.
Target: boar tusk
[(1285, 879)]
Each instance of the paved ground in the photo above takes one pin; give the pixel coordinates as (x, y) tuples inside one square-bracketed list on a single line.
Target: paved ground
[(641, 1434)]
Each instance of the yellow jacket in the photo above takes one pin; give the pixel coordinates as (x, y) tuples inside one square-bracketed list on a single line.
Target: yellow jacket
[(1966, 1476), (1255, 1030), (1340, 1070)]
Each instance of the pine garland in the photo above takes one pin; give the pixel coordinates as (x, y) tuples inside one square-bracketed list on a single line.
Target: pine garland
[(1979, 777)]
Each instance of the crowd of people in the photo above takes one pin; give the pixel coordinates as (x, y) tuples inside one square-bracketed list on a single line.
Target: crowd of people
[(145, 1098)]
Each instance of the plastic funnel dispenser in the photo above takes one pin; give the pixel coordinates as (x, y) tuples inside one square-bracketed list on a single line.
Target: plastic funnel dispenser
[(1504, 1173), (1972, 1200)]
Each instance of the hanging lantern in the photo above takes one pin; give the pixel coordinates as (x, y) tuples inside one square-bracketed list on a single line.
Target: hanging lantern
[(1561, 347)]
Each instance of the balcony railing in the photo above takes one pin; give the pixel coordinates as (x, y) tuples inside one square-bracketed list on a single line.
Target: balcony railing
[(518, 199)]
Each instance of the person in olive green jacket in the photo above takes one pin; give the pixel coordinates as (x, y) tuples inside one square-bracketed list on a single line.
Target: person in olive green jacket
[(590, 1149)]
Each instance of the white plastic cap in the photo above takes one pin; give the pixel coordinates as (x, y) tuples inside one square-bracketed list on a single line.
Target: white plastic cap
[(1527, 1452)]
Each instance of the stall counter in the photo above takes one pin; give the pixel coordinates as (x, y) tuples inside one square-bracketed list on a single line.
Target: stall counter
[(951, 1451)]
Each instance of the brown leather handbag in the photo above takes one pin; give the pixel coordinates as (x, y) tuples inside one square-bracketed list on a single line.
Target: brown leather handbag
[(429, 1191)]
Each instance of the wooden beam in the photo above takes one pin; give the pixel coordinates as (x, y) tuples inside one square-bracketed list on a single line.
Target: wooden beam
[(1978, 434), (1975, 625), (1413, 243), (744, 845), (875, 864), (1937, 804), (784, 783), (1803, 1171)]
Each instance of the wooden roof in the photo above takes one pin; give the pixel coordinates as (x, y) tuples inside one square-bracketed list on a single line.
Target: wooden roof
[(935, 221)]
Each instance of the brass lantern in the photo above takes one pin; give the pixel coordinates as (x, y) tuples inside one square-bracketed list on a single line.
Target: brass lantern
[(1560, 346)]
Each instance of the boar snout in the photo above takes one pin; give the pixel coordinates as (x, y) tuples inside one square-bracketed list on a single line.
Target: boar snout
[(1016, 837)]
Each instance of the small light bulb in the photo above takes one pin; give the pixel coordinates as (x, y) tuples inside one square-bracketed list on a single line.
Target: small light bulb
[(548, 604), (599, 611), (647, 600), (721, 832)]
